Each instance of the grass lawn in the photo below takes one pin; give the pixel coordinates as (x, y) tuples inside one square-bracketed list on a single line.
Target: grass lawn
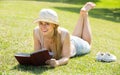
[(16, 29)]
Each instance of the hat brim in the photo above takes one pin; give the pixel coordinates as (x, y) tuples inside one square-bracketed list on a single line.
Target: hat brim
[(45, 20)]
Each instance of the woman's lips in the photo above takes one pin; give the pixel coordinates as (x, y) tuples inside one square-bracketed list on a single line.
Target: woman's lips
[(44, 31)]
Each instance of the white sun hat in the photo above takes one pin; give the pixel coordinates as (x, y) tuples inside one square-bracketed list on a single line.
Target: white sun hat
[(48, 15)]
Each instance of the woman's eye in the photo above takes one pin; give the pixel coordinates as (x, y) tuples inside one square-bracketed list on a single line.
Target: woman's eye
[(41, 23), (47, 23)]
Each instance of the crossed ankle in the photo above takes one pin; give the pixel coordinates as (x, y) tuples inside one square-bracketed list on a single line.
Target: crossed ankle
[(83, 13)]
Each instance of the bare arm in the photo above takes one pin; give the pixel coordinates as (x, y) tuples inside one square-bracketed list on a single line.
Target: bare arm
[(65, 53), (37, 45)]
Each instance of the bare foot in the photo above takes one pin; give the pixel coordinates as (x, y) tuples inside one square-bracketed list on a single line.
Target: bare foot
[(88, 6)]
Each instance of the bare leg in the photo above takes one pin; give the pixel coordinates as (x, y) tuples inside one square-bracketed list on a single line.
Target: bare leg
[(82, 28), (86, 34), (79, 27)]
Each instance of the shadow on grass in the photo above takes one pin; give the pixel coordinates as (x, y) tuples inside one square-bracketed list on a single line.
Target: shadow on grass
[(32, 69), (107, 14), (101, 13), (70, 1), (38, 69), (81, 55)]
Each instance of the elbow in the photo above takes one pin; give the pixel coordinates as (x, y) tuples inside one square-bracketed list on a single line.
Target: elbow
[(63, 61), (66, 60)]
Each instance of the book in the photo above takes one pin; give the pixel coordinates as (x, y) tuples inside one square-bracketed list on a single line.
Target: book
[(36, 58)]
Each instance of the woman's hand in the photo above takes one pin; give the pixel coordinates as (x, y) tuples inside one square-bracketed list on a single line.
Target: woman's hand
[(52, 62)]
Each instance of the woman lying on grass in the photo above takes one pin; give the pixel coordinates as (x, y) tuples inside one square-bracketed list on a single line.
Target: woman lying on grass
[(58, 41)]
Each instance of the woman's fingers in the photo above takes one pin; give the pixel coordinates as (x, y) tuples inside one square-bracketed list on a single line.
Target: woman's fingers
[(47, 62), (52, 62)]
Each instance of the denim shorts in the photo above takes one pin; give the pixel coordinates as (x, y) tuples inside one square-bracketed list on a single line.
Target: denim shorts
[(81, 46)]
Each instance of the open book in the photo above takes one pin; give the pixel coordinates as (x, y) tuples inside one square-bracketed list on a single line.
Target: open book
[(36, 58)]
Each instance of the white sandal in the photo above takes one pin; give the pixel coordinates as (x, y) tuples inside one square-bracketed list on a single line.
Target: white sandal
[(99, 56), (109, 57), (105, 57)]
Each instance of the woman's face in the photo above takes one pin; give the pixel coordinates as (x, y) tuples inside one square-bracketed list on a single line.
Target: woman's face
[(46, 28)]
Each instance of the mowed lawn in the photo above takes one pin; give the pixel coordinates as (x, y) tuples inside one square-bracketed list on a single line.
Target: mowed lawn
[(16, 35)]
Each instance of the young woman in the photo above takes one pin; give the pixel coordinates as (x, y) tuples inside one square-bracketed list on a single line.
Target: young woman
[(58, 41)]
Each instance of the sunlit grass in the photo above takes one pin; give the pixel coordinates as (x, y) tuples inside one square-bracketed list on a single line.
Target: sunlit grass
[(16, 28)]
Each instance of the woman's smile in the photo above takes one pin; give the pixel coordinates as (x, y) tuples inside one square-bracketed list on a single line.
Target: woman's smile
[(46, 27), (44, 30)]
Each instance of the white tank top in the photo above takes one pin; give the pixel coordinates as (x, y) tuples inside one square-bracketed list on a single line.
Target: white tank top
[(40, 36), (63, 35)]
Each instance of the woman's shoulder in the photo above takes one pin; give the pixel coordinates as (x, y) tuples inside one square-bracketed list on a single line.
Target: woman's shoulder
[(63, 30), (64, 33), (36, 31), (36, 28)]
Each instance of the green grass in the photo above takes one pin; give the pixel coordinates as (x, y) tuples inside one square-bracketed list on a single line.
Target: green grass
[(16, 28)]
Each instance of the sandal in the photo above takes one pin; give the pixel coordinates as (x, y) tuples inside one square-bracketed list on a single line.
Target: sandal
[(99, 56), (109, 57), (105, 57)]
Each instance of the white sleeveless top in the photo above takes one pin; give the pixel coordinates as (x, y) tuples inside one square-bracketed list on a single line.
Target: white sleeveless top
[(63, 35), (39, 36)]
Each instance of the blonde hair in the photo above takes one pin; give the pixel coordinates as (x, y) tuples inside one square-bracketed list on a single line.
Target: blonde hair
[(57, 45)]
